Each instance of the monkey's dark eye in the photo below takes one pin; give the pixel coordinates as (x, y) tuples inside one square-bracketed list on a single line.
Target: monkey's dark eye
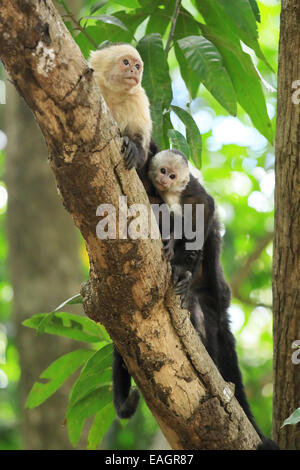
[(137, 66), (172, 176), (163, 171), (125, 62)]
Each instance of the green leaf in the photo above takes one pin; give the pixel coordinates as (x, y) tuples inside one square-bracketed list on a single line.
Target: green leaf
[(159, 20), (96, 6), (128, 3), (234, 19), (294, 418), (56, 374), (167, 125), (69, 325), (156, 78), (114, 33), (191, 80), (255, 9), (76, 299), (186, 25), (88, 406), (193, 135), (242, 15), (131, 19), (245, 80), (102, 422), (179, 142), (157, 118), (109, 19), (95, 374), (206, 61)]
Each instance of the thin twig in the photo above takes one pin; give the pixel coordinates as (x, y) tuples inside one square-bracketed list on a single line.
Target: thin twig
[(243, 273), (173, 24), (70, 15)]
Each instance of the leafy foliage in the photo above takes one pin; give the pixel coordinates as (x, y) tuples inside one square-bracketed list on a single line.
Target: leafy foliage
[(208, 53), (91, 392), (221, 77), (294, 418)]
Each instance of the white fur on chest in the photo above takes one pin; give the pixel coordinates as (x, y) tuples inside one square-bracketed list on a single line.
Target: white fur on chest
[(173, 201)]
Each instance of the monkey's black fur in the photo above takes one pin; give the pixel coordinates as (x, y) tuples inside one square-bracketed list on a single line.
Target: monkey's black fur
[(213, 294), (203, 273), (199, 278), (125, 399)]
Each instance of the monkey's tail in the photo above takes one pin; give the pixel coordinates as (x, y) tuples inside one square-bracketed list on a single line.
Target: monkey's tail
[(267, 444), (125, 398)]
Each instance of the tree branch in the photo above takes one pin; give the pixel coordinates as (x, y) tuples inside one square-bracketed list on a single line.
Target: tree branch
[(245, 270), (129, 289), (173, 25)]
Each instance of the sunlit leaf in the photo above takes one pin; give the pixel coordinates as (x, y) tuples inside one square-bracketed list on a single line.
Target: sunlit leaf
[(245, 80), (207, 63), (75, 299), (109, 19), (242, 15), (101, 424), (186, 25), (96, 373), (294, 418), (100, 34), (255, 9), (96, 6), (159, 20), (179, 142), (191, 80), (234, 18), (56, 374), (83, 409), (72, 326), (128, 3), (157, 118), (131, 19), (167, 125), (193, 135), (156, 78)]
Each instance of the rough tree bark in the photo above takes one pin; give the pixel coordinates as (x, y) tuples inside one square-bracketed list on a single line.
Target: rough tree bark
[(129, 289), (286, 267)]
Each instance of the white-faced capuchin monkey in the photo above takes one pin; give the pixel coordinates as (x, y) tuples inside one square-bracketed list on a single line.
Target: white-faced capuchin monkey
[(198, 275), (118, 70)]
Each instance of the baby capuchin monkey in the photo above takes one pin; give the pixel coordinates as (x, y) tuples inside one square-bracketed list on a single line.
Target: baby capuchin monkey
[(198, 275), (170, 174)]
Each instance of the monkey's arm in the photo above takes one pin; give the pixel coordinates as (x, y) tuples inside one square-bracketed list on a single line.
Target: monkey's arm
[(134, 153)]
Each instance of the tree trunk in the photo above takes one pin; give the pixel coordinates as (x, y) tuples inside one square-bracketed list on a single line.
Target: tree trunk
[(129, 289), (286, 267)]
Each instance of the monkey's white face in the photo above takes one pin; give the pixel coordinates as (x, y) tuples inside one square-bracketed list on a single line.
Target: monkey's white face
[(127, 71), (169, 172), (166, 178)]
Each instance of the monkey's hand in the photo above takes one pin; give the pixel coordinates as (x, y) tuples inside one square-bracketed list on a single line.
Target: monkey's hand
[(181, 278), (168, 248), (131, 153)]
